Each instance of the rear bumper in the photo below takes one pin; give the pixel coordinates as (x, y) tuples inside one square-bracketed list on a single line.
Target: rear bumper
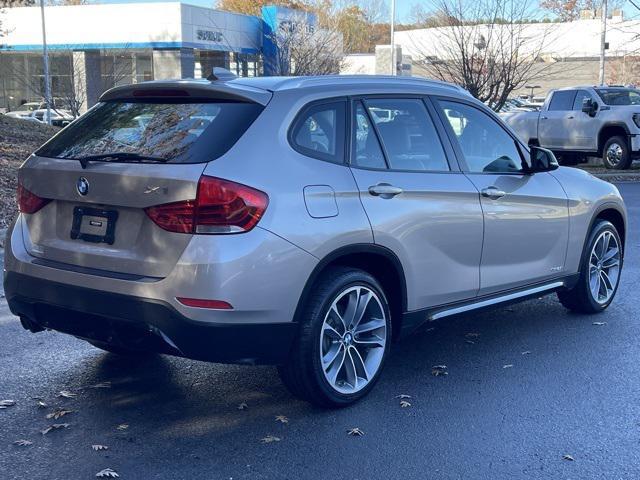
[(142, 323)]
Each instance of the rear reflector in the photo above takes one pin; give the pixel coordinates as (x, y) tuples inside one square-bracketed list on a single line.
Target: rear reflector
[(29, 202), (220, 207), (200, 303)]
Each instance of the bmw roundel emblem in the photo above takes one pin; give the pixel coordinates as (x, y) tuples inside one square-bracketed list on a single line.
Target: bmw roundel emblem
[(82, 185)]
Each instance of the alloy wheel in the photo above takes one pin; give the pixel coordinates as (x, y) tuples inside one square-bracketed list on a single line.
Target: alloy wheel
[(353, 339), (614, 154), (604, 267)]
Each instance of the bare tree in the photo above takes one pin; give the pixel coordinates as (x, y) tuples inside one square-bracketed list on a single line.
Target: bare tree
[(567, 10), (486, 46), (302, 48)]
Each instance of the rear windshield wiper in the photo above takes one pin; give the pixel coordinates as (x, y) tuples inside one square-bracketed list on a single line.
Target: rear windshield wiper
[(120, 157)]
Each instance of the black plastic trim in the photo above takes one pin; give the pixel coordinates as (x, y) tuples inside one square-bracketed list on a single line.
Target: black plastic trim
[(415, 319), (124, 320)]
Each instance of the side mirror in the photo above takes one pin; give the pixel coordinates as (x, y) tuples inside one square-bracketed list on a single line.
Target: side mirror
[(542, 160), (589, 107)]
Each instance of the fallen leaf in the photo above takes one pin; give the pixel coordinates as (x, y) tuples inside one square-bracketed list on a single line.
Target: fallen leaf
[(403, 396), (122, 426), (7, 403), (438, 370), (107, 473), (471, 335), (355, 432), (599, 324), (470, 342), (55, 426), (430, 329), (567, 457), (508, 366), (270, 439), (41, 404), (282, 419), (97, 448), (243, 406), (527, 352), (101, 385), (61, 412), (66, 394), (404, 404), (23, 443)]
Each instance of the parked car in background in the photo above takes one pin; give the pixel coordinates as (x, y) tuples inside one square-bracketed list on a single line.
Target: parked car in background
[(301, 222), (585, 121), (23, 110), (59, 117)]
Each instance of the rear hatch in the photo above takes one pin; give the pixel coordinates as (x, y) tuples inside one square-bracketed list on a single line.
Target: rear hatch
[(87, 195)]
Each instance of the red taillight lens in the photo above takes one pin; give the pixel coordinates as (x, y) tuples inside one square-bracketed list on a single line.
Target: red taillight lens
[(29, 202), (220, 206)]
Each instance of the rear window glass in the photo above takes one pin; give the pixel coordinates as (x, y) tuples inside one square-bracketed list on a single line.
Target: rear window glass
[(175, 132)]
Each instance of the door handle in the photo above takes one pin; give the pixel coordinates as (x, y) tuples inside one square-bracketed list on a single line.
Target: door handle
[(384, 190), (570, 117), (493, 193), (543, 118)]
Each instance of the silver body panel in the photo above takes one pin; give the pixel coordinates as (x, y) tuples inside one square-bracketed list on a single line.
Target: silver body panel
[(453, 245)]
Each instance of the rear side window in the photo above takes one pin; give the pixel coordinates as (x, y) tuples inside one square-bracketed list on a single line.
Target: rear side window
[(562, 100), (175, 132), (409, 136), (319, 131)]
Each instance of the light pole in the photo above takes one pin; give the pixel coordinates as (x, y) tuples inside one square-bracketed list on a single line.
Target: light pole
[(45, 54), (603, 37), (531, 88), (393, 46)]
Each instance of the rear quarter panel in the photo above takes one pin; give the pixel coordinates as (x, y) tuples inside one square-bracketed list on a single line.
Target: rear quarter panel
[(264, 159)]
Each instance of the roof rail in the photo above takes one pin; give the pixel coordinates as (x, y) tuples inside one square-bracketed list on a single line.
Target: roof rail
[(219, 74)]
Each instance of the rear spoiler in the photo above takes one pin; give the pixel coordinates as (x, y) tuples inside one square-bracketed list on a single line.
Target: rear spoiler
[(188, 89)]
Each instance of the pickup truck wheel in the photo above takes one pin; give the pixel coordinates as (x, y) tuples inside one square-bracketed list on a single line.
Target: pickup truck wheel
[(616, 154), (343, 341), (599, 271)]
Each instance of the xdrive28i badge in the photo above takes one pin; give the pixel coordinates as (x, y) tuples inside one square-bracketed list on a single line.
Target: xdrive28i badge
[(82, 185)]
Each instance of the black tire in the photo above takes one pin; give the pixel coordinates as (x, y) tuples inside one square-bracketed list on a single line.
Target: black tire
[(579, 298), (621, 161), (302, 374), (118, 350)]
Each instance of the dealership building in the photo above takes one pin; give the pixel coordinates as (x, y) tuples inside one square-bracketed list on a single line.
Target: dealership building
[(95, 47)]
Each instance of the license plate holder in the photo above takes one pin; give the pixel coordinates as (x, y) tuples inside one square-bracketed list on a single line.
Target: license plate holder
[(94, 225)]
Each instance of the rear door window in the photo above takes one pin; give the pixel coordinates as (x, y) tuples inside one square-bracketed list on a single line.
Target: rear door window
[(367, 152), (408, 134), (319, 131), (562, 100), (174, 132)]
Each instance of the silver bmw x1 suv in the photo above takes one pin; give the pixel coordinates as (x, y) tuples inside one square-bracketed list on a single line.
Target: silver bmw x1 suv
[(300, 222)]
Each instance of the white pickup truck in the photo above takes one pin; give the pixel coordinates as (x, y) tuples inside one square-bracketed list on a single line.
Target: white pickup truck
[(579, 122)]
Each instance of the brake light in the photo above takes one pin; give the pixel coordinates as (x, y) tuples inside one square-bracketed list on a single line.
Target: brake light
[(220, 207), (29, 202)]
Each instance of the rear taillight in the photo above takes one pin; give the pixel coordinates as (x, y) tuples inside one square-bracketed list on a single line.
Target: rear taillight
[(29, 202), (220, 206)]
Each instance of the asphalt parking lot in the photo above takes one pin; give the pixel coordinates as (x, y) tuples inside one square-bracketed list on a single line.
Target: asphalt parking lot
[(531, 385)]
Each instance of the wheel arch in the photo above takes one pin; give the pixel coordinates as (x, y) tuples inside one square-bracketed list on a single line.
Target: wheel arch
[(611, 213), (378, 261), (609, 130)]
